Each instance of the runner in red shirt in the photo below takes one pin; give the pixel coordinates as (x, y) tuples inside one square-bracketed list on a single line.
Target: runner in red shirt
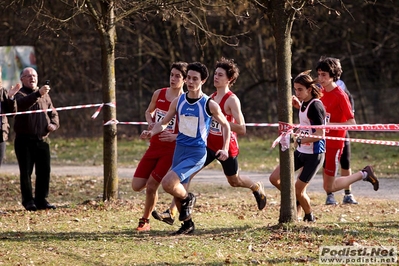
[(158, 158), (226, 73), (338, 112)]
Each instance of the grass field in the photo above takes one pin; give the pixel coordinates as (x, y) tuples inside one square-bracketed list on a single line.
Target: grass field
[(229, 228)]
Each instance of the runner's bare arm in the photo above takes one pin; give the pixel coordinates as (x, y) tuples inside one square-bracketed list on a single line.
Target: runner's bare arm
[(234, 105), (149, 113)]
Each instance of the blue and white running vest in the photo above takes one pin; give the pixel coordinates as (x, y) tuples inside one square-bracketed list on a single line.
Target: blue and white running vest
[(193, 121)]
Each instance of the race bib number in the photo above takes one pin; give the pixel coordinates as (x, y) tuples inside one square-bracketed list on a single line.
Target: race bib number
[(188, 125), (160, 115), (215, 129), (304, 134)]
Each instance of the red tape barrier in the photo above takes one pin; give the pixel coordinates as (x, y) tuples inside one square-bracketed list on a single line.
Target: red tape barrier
[(366, 141), (286, 128), (114, 121), (64, 108), (361, 127), (283, 127)]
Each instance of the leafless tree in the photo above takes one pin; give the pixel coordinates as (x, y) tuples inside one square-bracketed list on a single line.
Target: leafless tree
[(106, 15)]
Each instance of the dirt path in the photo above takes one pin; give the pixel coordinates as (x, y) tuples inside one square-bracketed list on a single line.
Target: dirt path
[(389, 188)]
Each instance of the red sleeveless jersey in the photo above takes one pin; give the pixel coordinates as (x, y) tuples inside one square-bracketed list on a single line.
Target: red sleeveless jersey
[(215, 137), (161, 108)]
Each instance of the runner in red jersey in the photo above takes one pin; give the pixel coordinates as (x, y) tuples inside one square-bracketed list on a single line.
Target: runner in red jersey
[(338, 112), (215, 138), (158, 157), (226, 74)]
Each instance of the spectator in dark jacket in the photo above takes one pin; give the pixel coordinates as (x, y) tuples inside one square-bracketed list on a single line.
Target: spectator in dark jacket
[(31, 132)]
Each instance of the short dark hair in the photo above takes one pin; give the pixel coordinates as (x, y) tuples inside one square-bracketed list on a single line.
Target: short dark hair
[(330, 65), (181, 66), (200, 68), (231, 68)]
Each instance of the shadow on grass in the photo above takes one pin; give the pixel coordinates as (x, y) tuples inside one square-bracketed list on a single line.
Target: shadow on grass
[(39, 236), (376, 229)]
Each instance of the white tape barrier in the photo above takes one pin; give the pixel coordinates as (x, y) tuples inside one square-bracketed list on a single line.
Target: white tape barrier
[(100, 105), (288, 128)]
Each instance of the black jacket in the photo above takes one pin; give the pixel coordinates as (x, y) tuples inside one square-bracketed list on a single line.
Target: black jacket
[(34, 124)]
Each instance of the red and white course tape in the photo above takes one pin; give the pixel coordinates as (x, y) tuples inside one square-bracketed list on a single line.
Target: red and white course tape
[(366, 141), (360, 127), (64, 108), (286, 128)]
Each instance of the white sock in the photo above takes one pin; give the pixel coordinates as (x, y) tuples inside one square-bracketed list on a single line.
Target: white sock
[(364, 174)]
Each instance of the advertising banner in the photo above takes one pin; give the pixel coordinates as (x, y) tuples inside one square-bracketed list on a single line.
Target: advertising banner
[(12, 60)]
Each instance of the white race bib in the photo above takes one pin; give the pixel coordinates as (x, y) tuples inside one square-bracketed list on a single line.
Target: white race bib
[(160, 114), (215, 128), (188, 125)]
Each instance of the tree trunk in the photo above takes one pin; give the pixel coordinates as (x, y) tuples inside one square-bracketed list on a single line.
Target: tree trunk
[(108, 37), (281, 20)]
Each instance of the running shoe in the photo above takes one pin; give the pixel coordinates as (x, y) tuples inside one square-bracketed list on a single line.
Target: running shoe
[(260, 196), (309, 218), (165, 216), (330, 200), (187, 206), (349, 199), (371, 177), (186, 228), (144, 225)]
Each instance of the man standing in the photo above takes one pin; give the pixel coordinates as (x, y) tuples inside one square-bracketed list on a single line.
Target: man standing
[(194, 111), (31, 147)]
